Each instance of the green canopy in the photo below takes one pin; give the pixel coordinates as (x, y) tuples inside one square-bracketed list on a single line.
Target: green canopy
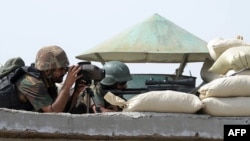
[(156, 40)]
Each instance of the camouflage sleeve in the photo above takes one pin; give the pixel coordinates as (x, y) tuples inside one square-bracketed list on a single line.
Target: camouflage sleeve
[(35, 91), (98, 98)]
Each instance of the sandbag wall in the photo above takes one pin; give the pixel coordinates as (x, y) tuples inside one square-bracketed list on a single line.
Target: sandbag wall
[(229, 94)]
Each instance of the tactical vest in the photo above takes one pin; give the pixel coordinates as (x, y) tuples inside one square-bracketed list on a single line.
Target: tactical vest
[(9, 97)]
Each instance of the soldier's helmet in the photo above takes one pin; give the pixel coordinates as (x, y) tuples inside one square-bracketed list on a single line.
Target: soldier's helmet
[(51, 57), (115, 71)]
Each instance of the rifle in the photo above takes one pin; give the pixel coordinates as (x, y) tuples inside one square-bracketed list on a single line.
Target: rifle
[(185, 85), (184, 82)]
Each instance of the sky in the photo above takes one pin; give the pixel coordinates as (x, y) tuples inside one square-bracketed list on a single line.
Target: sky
[(78, 25)]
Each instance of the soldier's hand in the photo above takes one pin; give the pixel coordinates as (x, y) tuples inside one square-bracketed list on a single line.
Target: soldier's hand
[(72, 75), (113, 108), (80, 86)]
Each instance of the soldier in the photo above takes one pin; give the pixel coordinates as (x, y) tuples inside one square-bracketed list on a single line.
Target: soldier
[(52, 63), (116, 76)]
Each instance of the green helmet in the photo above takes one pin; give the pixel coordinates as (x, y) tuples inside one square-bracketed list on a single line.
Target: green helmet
[(51, 57), (115, 71)]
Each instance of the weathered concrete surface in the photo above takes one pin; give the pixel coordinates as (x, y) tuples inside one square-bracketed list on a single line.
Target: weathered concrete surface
[(20, 125)]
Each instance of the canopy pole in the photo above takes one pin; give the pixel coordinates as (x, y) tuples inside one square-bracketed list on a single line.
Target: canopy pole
[(183, 63), (100, 58)]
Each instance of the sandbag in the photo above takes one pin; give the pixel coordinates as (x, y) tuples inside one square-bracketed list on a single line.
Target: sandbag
[(164, 101), (226, 87), (217, 46), (245, 71), (232, 106), (235, 58), (208, 76)]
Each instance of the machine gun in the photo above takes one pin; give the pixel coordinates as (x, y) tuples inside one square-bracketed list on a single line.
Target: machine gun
[(184, 85), (184, 82)]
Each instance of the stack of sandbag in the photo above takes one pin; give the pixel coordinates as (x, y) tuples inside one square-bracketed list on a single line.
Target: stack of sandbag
[(228, 95), (226, 55), (168, 101), (230, 54)]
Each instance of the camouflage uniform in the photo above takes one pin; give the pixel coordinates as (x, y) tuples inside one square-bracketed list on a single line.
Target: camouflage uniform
[(36, 91)]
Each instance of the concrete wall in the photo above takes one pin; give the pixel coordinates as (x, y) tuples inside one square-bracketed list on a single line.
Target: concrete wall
[(22, 125)]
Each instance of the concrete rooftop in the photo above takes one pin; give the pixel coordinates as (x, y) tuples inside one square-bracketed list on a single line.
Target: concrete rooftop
[(24, 125)]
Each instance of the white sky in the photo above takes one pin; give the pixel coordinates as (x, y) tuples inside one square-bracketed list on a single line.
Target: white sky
[(77, 25)]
